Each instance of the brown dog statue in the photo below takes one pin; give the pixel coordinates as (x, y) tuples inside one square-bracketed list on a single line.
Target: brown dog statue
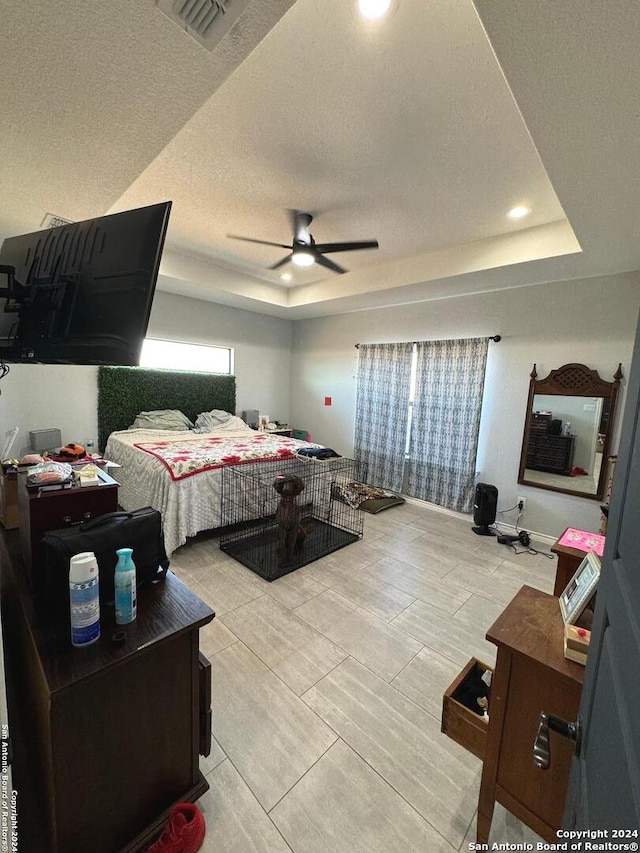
[(291, 534)]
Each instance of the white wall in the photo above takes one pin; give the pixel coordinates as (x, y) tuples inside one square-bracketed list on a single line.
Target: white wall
[(262, 346), (41, 396), (279, 362), (591, 321)]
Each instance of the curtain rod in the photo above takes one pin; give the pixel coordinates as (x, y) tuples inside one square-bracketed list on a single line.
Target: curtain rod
[(496, 338)]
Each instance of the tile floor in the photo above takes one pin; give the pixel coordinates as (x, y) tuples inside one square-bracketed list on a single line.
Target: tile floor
[(327, 689)]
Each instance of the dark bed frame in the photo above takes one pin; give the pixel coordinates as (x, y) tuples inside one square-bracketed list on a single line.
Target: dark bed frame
[(124, 392)]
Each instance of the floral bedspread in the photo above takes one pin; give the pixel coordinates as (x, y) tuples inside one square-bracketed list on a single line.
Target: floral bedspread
[(185, 458)]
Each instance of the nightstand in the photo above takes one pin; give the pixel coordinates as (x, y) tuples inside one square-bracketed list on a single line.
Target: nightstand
[(286, 431), (44, 509)]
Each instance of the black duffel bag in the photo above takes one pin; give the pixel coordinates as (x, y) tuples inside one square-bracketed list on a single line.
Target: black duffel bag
[(140, 530)]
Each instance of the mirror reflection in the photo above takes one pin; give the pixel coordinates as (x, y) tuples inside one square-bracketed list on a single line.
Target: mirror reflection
[(567, 431), (566, 439)]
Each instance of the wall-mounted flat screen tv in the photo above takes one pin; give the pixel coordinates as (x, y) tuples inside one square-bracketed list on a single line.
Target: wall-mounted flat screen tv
[(82, 293)]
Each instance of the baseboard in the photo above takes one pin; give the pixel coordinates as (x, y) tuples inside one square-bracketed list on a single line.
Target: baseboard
[(539, 537), (462, 516)]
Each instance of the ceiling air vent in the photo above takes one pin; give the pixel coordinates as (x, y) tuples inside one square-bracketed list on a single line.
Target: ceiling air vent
[(52, 221), (207, 21)]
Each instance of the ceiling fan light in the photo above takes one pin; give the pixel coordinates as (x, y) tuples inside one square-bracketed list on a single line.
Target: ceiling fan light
[(303, 259), (373, 8)]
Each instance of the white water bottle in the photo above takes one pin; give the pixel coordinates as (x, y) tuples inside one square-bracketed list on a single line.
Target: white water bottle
[(84, 599)]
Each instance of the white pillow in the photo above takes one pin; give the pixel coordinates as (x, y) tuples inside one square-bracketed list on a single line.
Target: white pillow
[(233, 424), (208, 421), (169, 419)]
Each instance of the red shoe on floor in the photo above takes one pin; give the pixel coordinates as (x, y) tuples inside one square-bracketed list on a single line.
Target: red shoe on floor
[(184, 832), (577, 471)]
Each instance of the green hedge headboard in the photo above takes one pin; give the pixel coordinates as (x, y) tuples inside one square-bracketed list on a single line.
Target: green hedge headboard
[(123, 392)]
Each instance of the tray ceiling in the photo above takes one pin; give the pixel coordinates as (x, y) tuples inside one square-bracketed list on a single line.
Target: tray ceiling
[(420, 131)]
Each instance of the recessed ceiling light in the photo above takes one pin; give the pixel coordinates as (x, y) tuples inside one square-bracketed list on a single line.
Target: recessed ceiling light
[(373, 8), (519, 211), (303, 259), (286, 276)]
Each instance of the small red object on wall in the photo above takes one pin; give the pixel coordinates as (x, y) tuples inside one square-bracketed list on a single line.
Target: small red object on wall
[(327, 401)]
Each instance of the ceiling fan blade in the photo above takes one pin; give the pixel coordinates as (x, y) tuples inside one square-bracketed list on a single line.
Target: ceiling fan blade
[(282, 262), (330, 265), (346, 247), (260, 242)]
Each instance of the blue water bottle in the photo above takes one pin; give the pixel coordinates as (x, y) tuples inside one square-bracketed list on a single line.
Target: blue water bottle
[(84, 599), (124, 581)]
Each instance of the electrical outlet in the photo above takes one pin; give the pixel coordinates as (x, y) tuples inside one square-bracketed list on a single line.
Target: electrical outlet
[(521, 503)]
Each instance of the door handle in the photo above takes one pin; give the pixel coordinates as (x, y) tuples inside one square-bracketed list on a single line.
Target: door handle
[(541, 748)]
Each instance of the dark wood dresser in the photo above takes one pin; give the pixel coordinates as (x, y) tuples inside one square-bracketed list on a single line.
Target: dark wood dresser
[(552, 453), (50, 509), (105, 738)]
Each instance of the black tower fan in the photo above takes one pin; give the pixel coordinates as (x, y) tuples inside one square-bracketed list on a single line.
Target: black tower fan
[(485, 506)]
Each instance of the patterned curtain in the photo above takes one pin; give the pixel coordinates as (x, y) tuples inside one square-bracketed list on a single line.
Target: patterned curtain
[(382, 406), (446, 420)]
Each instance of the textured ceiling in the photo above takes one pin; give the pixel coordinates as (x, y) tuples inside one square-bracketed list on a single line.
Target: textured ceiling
[(407, 130)]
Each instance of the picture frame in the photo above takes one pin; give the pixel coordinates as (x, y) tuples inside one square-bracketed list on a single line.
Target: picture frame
[(579, 591), (264, 420)]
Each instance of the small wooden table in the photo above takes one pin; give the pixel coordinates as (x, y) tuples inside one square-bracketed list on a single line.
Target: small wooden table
[(531, 675), (568, 561)]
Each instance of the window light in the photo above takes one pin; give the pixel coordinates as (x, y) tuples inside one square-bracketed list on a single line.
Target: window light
[(175, 355)]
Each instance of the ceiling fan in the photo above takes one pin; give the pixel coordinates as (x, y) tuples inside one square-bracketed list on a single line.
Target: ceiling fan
[(304, 249)]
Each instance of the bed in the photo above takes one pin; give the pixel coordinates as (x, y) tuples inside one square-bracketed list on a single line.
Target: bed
[(178, 473)]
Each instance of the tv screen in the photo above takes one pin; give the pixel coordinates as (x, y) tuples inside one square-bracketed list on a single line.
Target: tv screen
[(82, 293)]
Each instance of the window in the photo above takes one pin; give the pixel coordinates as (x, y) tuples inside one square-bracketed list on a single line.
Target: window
[(412, 397), (174, 355), (418, 409)]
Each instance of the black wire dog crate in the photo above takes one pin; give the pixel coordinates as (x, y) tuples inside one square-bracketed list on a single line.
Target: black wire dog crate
[(278, 516)]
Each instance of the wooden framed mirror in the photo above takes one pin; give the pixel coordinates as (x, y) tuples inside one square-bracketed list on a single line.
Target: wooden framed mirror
[(567, 431)]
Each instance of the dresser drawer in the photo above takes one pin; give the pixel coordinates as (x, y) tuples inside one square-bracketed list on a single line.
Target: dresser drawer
[(553, 453), (554, 442), (459, 722), (42, 510), (72, 506)]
